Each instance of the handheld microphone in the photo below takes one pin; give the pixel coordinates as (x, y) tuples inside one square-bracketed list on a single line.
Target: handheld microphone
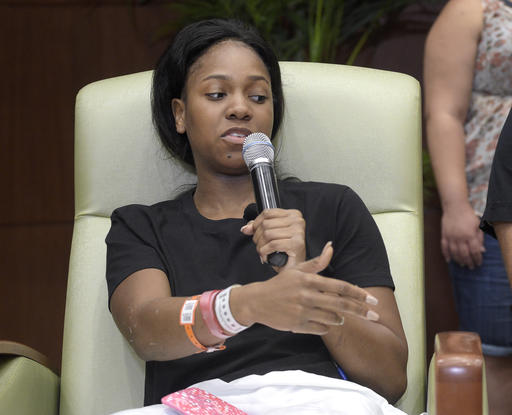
[(258, 154)]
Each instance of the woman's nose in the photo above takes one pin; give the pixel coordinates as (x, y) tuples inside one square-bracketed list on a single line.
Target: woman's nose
[(239, 108)]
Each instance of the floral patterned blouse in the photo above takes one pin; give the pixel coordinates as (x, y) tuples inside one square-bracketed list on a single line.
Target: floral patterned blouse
[(491, 98)]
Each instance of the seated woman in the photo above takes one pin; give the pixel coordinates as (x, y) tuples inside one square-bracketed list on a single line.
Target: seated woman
[(306, 323)]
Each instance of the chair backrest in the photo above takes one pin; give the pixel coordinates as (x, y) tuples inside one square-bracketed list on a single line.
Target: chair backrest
[(343, 124)]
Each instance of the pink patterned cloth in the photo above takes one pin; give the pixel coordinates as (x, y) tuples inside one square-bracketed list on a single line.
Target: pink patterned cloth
[(491, 98), (195, 401)]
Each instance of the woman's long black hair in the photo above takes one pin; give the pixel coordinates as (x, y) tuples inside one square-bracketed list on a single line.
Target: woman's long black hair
[(172, 69)]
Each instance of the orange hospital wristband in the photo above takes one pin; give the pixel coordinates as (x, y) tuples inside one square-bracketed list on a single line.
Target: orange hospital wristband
[(187, 320)]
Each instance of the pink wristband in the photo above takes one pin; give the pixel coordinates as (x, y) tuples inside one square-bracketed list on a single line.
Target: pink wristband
[(206, 304)]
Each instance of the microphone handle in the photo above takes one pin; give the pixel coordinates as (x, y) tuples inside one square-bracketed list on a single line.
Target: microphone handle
[(267, 197)]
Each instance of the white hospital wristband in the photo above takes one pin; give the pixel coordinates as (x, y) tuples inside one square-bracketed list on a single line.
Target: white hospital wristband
[(223, 312)]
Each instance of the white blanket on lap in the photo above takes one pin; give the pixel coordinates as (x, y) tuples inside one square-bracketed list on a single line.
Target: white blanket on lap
[(289, 392)]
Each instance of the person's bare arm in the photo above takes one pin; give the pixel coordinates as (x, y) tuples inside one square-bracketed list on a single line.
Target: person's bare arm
[(370, 343), (148, 317), (450, 52), (373, 353), (297, 299), (504, 233)]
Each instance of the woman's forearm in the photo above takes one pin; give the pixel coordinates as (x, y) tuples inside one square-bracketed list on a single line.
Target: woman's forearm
[(149, 318), (373, 353), (445, 136)]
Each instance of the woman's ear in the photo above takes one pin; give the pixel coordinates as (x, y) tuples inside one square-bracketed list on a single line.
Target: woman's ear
[(178, 110)]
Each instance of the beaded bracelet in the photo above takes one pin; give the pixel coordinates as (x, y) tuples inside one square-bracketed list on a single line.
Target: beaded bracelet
[(187, 320), (206, 305), (223, 312)]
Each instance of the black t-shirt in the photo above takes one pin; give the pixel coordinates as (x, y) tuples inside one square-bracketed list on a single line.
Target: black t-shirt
[(198, 254), (499, 195)]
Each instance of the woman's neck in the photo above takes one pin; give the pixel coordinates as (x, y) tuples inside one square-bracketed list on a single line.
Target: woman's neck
[(223, 196)]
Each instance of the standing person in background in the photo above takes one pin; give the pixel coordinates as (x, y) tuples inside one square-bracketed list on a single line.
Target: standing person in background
[(468, 93), (497, 219)]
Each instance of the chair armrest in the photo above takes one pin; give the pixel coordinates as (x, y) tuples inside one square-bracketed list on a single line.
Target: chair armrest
[(28, 386), (457, 375), (18, 349)]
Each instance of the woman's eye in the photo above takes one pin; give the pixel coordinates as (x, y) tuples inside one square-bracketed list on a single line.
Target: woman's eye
[(259, 98), (216, 95)]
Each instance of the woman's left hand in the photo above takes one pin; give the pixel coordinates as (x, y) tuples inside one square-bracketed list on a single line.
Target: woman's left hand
[(279, 230)]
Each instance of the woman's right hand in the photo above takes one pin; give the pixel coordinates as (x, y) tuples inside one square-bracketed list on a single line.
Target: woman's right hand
[(461, 237), (299, 300)]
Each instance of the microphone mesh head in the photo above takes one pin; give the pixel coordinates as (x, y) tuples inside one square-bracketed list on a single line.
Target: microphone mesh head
[(257, 145)]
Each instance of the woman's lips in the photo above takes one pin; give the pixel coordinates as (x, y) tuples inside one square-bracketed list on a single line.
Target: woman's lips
[(233, 138), (235, 135)]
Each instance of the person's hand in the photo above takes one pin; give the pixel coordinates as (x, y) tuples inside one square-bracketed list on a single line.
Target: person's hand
[(461, 237), (279, 230), (299, 300)]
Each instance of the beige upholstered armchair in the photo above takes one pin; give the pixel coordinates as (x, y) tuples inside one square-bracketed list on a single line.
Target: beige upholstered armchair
[(360, 127)]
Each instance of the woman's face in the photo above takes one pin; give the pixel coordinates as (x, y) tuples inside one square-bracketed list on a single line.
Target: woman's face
[(227, 96)]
